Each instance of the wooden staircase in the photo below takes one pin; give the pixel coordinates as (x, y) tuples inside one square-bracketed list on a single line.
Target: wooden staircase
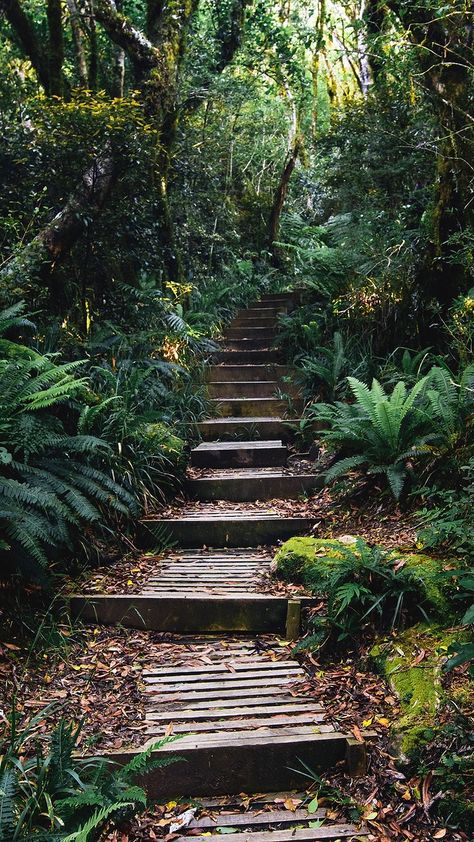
[(242, 708)]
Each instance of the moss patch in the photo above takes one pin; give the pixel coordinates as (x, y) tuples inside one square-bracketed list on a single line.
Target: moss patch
[(308, 561), (411, 663), (296, 554)]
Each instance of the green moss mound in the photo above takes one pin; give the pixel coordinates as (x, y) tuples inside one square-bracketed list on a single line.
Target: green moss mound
[(416, 682), (313, 562)]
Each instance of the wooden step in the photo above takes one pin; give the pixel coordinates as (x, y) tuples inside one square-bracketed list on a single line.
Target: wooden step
[(250, 454), (247, 373), (233, 742), (247, 428), (247, 485), (249, 332), (331, 833), (251, 389), (267, 311), (197, 612), (256, 818), (214, 529), (254, 321), (249, 343), (256, 407), (248, 357)]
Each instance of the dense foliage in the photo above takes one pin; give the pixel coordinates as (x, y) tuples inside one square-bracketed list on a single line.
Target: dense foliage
[(162, 164)]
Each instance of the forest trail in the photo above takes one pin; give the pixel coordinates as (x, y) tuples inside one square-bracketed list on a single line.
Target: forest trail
[(231, 689)]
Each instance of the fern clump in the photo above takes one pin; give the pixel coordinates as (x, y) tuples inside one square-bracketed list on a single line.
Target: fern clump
[(54, 481), (362, 585), (383, 434), (49, 793)]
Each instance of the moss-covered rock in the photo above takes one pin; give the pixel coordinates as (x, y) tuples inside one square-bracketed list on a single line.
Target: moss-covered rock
[(296, 554), (415, 680), (310, 561)]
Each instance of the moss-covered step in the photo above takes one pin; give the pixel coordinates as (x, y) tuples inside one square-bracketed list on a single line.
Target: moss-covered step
[(255, 407), (241, 454), (212, 528), (232, 373), (415, 681), (245, 428), (309, 560), (247, 485)]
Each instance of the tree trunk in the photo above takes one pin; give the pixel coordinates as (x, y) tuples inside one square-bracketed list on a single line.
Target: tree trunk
[(315, 65), (56, 239), (25, 33), (279, 200), (77, 36), (56, 47)]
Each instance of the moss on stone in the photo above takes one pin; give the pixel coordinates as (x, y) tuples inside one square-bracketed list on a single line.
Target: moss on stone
[(297, 553), (303, 560), (417, 685)]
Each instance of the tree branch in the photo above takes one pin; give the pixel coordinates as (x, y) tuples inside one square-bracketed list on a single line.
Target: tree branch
[(25, 33)]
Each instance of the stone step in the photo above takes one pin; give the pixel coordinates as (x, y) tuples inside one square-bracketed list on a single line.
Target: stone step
[(247, 429), (225, 529), (249, 343), (259, 454), (234, 742), (248, 357), (256, 407), (248, 485), (232, 373), (249, 332), (247, 389)]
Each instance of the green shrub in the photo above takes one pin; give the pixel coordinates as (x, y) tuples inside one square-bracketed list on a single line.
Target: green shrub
[(380, 433), (50, 794)]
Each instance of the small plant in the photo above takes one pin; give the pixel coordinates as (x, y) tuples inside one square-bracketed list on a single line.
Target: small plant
[(48, 793), (381, 433)]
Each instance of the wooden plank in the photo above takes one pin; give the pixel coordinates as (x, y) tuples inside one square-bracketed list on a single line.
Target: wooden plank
[(186, 681), (244, 701), (335, 832), (258, 664), (254, 711), (217, 735), (224, 693), (251, 818), (245, 724), (221, 688)]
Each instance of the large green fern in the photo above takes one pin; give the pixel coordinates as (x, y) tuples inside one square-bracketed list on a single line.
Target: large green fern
[(54, 482), (382, 433)]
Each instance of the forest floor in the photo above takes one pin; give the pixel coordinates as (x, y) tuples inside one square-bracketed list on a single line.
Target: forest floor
[(92, 672)]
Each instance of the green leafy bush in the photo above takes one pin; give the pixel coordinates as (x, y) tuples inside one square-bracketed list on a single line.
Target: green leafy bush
[(381, 433), (52, 478), (50, 794)]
